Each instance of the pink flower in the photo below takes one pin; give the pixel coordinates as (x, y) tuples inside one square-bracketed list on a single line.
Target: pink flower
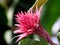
[(29, 23)]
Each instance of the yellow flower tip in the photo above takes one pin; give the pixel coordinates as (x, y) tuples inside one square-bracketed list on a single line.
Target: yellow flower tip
[(37, 3)]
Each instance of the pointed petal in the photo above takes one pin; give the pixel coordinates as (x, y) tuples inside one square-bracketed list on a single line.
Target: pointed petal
[(17, 24), (18, 31), (22, 36)]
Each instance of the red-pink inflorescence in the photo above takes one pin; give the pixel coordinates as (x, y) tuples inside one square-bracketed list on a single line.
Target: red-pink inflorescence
[(29, 23)]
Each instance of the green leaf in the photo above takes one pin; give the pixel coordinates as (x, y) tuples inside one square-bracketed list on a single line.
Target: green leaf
[(28, 41), (50, 14)]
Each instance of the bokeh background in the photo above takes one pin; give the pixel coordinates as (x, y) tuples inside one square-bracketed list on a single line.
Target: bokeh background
[(50, 21)]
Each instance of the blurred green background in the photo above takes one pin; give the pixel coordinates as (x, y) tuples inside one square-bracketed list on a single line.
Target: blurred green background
[(9, 8)]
